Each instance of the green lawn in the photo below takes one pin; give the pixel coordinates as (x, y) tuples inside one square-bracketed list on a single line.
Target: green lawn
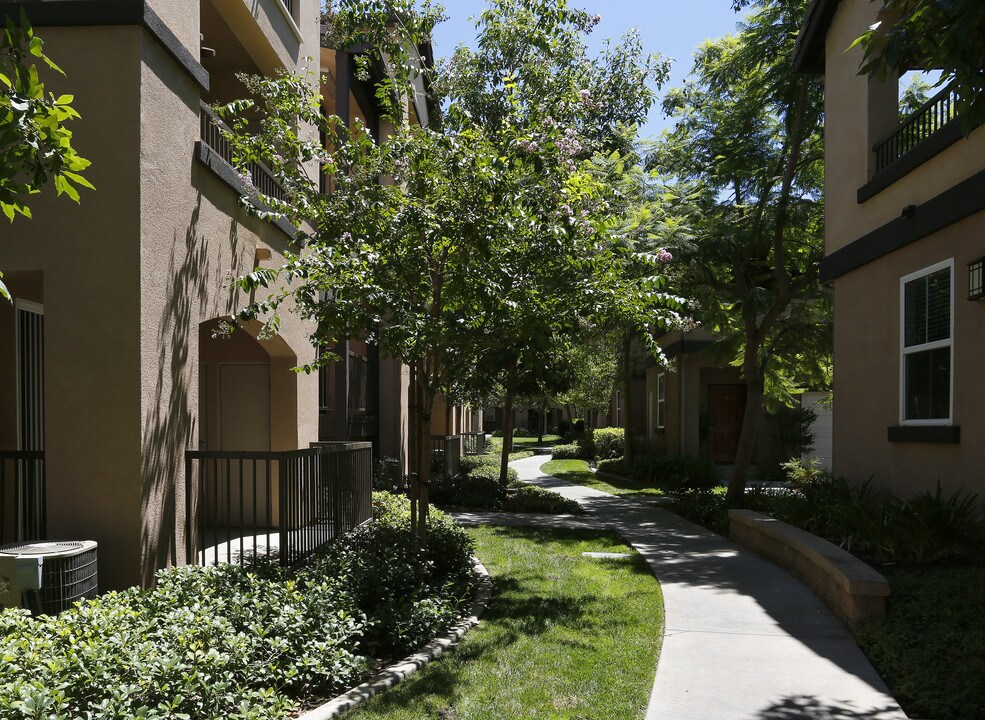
[(577, 473), (520, 443), (566, 637)]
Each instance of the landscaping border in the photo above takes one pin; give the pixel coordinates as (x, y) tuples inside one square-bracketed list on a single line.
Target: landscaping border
[(853, 590), (398, 672)]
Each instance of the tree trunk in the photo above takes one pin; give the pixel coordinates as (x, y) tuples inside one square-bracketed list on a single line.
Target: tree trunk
[(755, 391), (421, 443), (627, 404), (504, 463)]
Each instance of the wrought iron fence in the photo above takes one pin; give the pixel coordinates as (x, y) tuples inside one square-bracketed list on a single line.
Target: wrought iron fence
[(274, 504), (23, 514), (929, 119), (474, 443), (260, 175)]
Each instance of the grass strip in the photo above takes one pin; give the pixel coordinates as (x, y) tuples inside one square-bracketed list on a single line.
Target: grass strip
[(577, 473), (565, 637)]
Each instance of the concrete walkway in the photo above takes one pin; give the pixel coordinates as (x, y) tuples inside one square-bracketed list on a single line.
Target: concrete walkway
[(744, 639)]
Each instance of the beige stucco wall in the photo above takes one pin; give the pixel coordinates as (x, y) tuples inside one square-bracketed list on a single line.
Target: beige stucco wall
[(128, 277), (850, 133), (867, 370)]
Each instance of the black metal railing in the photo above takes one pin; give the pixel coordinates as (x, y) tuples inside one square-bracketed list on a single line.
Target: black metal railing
[(23, 514), (289, 5), (446, 453), (260, 175), (916, 129), (274, 504), (474, 443)]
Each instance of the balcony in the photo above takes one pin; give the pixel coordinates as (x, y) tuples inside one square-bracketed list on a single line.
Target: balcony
[(214, 151), (924, 134)]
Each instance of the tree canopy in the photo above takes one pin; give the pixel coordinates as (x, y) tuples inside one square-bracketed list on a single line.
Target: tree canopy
[(747, 148), (487, 244), (934, 35)]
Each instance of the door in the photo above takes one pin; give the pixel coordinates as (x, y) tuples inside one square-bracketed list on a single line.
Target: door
[(726, 406)]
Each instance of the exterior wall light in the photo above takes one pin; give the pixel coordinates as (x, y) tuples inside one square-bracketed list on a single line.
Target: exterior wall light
[(976, 279)]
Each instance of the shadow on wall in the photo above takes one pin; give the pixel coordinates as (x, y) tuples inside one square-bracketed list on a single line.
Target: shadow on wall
[(170, 424)]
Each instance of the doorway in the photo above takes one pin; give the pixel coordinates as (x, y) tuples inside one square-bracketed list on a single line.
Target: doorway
[(726, 407)]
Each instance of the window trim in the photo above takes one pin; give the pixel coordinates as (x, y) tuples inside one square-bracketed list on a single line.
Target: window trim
[(935, 345), (661, 401)]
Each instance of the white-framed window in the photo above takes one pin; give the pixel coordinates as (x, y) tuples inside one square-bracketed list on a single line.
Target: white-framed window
[(926, 345), (661, 400)]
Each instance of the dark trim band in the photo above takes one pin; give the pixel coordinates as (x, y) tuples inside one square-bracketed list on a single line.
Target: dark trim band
[(222, 170), (87, 13), (964, 199), (936, 144), (941, 434)]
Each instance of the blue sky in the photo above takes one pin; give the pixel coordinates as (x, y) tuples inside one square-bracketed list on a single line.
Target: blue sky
[(670, 27)]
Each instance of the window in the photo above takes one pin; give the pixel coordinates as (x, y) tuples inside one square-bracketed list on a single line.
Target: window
[(661, 400), (358, 383), (926, 302)]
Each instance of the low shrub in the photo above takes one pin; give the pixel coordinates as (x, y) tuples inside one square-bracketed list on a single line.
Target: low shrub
[(572, 451), (246, 642), (609, 443), (578, 426), (930, 646), (670, 473), (702, 507), (218, 642), (408, 594), (386, 475), (521, 432), (532, 499)]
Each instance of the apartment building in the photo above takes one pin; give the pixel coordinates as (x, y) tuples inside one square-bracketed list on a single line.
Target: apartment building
[(120, 364), (904, 242)]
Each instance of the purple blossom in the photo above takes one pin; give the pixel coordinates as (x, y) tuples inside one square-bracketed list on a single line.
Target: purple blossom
[(585, 94), (664, 256)]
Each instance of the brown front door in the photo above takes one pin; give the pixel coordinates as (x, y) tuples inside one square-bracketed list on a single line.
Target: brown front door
[(726, 406)]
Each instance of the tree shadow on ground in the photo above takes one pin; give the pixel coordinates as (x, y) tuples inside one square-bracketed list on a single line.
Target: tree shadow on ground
[(806, 707)]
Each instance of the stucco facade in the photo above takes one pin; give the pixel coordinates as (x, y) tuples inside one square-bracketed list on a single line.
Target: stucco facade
[(891, 230), (131, 281)]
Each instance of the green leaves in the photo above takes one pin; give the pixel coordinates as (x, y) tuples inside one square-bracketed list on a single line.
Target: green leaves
[(35, 146)]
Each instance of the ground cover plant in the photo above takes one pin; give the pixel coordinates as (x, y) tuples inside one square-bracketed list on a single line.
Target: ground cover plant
[(244, 642), (479, 487), (670, 473), (930, 647), (565, 637), (577, 472)]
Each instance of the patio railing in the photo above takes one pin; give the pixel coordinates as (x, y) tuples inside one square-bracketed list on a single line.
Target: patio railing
[(926, 121), (474, 443), (23, 514), (260, 175), (284, 505), (446, 453)]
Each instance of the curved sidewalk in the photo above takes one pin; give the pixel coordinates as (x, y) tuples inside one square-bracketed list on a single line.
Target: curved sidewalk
[(744, 639)]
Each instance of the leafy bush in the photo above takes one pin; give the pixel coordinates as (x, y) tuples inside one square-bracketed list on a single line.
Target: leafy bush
[(609, 443), (930, 646), (703, 507), (386, 475), (478, 489), (240, 642), (562, 428), (225, 641), (572, 451), (671, 473), (497, 433), (521, 432), (532, 499), (578, 426)]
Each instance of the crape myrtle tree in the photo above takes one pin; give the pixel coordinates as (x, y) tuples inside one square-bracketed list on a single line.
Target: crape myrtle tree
[(947, 36), (748, 134), (532, 85), (35, 146), (483, 231)]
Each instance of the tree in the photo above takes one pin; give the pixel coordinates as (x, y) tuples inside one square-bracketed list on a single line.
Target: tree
[(947, 36), (481, 252), (35, 146), (531, 73), (748, 133)]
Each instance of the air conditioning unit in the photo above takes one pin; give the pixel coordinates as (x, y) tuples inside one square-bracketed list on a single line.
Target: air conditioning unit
[(67, 573)]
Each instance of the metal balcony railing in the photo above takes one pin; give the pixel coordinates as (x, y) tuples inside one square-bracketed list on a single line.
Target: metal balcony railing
[(23, 514), (284, 505), (260, 175), (915, 130)]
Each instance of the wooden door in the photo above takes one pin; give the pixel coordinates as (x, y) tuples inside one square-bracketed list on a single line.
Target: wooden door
[(726, 406)]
